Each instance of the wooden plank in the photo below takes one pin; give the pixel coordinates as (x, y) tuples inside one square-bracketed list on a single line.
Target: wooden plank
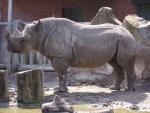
[(8, 61), (4, 94), (3, 23), (40, 59), (22, 59), (43, 67), (31, 58)]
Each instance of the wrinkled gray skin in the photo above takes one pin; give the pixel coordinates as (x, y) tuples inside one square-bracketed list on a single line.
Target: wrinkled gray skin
[(67, 43)]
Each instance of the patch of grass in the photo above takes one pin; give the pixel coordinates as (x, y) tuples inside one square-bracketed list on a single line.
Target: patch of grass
[(36, 101)]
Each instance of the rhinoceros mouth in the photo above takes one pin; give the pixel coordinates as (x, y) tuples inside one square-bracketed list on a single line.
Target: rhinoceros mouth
[(13, 50)]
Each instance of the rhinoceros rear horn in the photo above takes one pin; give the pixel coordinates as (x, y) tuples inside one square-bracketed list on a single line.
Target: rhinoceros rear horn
[(7, 33), (37, 25)]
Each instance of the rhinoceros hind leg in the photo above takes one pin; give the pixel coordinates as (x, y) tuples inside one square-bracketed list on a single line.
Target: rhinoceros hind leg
[(58, 89), (118, 73), (131, 77), (128, 65)]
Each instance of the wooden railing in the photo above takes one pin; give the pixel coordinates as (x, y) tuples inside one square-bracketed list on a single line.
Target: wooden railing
[(31, 60)]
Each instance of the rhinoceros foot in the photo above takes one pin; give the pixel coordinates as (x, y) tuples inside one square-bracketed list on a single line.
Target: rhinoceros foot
[(129, 89), (145, 75), (114, 88), (60, 89)]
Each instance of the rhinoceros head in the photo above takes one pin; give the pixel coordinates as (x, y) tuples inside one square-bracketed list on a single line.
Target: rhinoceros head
[(25, 41)]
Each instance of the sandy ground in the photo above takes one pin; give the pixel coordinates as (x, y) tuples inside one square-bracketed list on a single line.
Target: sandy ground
[(93, 93)]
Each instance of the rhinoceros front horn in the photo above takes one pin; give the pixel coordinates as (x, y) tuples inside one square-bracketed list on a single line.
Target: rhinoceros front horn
[(7, 33)]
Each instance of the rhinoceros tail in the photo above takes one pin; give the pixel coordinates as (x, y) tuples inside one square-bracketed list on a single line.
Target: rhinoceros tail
[(115, 57)]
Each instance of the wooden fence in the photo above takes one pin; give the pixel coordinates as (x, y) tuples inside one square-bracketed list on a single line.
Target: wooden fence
[(21, 61)]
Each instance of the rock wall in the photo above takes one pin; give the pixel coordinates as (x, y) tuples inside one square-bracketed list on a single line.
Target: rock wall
[(140, 29)]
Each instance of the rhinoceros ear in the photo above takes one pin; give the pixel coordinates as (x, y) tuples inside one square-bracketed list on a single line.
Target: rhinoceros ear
[(37, 25), (21, 26)]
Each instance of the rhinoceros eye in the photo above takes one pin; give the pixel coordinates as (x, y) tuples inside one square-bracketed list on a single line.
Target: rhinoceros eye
[(23, 41)]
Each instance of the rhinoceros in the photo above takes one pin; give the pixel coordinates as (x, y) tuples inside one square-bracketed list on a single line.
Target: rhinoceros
[(67, 43)]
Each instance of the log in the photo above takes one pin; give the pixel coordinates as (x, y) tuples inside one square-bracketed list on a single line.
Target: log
[(4, 93), (30, 86)]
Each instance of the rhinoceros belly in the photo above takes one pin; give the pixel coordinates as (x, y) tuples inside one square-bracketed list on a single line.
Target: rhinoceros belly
[(93, 52)]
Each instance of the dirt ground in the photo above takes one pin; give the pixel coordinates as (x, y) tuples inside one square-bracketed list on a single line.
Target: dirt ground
[(94, 93)]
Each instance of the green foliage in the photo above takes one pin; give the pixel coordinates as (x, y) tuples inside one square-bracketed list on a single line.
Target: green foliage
[(35, 101)]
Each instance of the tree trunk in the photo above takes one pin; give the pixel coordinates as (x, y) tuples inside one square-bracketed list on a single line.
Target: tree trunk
[(30, 86), (4, 94)]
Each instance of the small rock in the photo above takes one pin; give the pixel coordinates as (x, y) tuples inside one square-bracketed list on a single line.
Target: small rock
[(95, 105), (46, 89), (57, 105), (108, 103), (134, 107)]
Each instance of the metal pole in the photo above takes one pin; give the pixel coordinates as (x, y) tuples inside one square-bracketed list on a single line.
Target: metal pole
[(9, 27), (0, 10), (10, 15)]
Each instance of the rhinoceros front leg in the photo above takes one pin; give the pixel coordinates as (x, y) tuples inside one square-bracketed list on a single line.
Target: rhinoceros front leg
[(60, 66)]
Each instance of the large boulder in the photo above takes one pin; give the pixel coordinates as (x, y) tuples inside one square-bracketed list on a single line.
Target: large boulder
[(140, 29), (142, 64), (105, 15)]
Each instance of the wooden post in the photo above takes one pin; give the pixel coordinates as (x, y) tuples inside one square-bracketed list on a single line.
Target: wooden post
[(4, 94), (30, 86)]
